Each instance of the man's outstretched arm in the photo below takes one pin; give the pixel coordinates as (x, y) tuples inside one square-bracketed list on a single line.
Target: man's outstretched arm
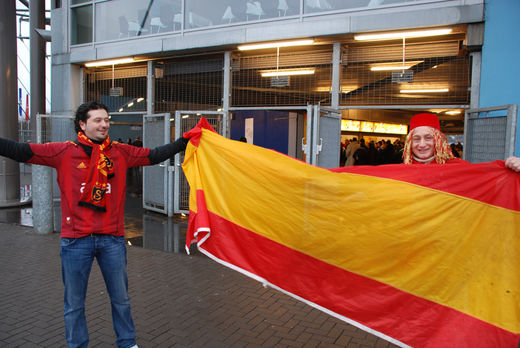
[(162, 153), (20, 152)]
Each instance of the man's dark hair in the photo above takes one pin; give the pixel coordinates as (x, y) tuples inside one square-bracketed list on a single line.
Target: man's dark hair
[(82, 112)]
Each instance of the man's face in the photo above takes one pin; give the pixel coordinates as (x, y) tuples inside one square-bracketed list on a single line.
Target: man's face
[(96, 127), (423, 142)]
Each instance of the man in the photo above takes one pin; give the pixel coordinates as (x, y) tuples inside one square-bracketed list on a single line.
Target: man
[(352, 147), (425, 144), (92, 181), (361, 154)]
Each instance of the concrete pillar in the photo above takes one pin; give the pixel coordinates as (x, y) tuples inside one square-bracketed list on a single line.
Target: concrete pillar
[(9, 169), (43, 215), (37, 49)]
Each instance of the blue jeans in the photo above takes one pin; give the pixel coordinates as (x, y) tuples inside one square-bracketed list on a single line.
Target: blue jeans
[(77, 256)]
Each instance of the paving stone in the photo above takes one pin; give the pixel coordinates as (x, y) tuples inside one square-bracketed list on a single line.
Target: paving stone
[(177, 301)]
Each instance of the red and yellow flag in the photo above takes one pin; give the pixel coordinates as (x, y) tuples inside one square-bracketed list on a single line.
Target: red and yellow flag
[(423, 256)]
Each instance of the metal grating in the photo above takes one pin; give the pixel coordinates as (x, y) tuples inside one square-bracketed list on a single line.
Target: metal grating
[(55, 128), (432, 66), (132, 80), (249, 88), (153, 181), (188, 122), (486, 140), (193, 83)]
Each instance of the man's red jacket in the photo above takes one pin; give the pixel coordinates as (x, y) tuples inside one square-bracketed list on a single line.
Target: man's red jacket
[(71, 162)]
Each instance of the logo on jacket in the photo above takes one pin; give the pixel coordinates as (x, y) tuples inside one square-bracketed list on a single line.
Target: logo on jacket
[(95, 189), (97, 194)]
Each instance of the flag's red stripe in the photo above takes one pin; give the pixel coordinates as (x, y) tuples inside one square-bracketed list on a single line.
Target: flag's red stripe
[(485, 182), (405, 317)]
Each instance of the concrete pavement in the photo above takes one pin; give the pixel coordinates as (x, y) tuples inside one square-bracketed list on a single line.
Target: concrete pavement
[(177, 301)]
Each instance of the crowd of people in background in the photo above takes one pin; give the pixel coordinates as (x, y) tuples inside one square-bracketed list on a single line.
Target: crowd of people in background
[(356, 152)]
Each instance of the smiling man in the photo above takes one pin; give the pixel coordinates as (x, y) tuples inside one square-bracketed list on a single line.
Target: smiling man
[(426, 144), (92, 180)]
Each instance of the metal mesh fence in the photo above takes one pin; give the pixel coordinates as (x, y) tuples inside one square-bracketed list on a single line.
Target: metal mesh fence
[(153, 181), (122, 89), (193, 83), (434, 74), (486, 139), (189, 121), (251, 85), (55, 128)]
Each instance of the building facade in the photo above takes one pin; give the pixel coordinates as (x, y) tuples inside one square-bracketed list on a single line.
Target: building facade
[(371, 64)]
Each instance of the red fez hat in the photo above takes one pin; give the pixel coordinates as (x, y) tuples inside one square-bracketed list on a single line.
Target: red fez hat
[(425, 119)]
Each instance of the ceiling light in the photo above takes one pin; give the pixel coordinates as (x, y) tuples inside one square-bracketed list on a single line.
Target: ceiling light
[(287, 72), (429, 90), (344, 88), (140, 99), (402, 34), (110, 62), (394, 66), (453, 112), (275, 45)]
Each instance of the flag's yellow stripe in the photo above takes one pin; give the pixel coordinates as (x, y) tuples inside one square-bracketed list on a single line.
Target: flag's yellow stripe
[(449, 249)]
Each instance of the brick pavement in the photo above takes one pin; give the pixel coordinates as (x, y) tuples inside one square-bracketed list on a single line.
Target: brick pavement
[(177, 301)]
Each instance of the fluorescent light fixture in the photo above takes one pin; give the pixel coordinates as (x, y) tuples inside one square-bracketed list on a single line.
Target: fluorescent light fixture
[(275, 45), (110, 62), (121, 110), (394, 66), (287, 72), (130, 104), (453, 112), (428, 90), (140, 99), (344, 89), (402, 34)]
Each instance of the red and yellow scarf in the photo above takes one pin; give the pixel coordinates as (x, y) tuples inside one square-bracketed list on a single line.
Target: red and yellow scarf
[(100, 169)]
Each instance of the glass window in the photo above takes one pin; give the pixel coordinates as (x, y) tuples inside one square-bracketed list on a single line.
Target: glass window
[(220, 12), (121, 19), (75, 2), (81, 27), (331, 5), (165, 16)]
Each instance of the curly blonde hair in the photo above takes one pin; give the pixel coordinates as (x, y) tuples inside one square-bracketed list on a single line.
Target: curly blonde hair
[(442, 151)]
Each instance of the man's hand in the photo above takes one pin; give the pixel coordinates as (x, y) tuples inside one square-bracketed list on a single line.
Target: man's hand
[(513, 163)]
